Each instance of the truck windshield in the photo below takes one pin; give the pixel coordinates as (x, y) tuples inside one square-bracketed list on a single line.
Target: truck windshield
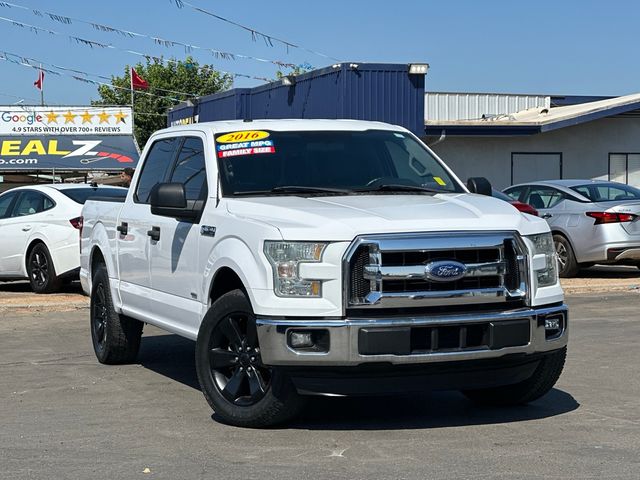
[(259, 162)]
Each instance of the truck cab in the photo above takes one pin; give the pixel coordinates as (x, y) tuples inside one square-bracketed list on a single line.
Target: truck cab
[(324, 257)]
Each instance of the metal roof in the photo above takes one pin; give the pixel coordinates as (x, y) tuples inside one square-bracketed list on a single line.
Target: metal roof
[(537, 120)]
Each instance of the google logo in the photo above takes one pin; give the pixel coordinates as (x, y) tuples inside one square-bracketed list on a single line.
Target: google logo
[(11, 117)]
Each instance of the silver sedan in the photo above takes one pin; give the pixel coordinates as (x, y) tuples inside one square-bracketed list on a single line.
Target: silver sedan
[(592, 221)]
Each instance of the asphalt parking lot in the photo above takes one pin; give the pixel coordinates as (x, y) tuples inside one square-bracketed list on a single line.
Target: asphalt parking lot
[(65, 416)]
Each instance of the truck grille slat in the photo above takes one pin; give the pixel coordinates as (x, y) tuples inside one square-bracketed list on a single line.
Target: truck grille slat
[(394, 270)]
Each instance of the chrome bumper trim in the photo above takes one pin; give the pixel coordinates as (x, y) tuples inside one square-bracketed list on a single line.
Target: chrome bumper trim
[(343, 351)]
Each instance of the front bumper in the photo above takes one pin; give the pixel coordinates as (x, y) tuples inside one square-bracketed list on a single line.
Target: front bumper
[(398, 340)]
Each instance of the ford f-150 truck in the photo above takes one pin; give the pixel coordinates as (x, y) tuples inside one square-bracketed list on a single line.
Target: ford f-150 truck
[(323, 257)]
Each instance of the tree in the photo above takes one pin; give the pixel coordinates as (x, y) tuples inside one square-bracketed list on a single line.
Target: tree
[(170, 82), (297, 70)]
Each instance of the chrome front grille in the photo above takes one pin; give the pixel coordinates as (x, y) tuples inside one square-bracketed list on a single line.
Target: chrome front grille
[(390, 271)]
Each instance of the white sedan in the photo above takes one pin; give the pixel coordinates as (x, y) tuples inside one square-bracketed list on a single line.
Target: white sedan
[(39, 232)]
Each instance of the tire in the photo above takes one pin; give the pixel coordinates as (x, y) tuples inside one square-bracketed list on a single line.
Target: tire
[(543, 379), (42, 273), (237, 385), (115, 338), (567, 265)]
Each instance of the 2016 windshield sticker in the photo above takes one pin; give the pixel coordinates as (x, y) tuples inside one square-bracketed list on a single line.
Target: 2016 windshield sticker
[(243, 136), (226, 150)]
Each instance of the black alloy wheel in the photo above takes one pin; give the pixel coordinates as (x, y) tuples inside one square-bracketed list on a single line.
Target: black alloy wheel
[(234, 360), (39, 268), (41, 271), (99, 318)]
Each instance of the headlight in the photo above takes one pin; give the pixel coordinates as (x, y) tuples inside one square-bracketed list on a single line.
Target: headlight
[(544, 259), (285, 258)]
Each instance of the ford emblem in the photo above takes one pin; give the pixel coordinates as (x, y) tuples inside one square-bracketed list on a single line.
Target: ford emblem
[(444, 271)]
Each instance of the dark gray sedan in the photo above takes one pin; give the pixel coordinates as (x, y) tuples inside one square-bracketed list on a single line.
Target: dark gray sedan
[(592, 221)]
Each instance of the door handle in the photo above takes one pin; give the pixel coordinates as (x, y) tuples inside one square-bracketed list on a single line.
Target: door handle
[(123, 228), (154, 233), (26, 228), (547, 215)]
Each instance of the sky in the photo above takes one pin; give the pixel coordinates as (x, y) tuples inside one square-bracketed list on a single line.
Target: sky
[(578, 47)]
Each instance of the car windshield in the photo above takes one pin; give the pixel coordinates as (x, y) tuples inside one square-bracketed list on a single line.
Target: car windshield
[(81, 195), (259, 162), (607, 192)]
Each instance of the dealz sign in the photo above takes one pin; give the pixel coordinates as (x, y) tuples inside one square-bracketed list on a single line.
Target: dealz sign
[(67, 153)]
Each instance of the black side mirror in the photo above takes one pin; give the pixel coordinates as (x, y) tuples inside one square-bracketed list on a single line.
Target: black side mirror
[(169, 200), (479, 185)]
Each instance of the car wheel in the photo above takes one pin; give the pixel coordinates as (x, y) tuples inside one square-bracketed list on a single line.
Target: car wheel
[(543, 379), (42, 273), (238, 386), (567, 265), (115, 338)]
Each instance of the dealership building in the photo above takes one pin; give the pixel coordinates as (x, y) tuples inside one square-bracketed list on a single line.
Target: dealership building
[(54, 144), (505, 137)]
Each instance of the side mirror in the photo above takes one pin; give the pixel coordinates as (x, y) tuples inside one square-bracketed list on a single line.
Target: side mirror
[(169, 200), (479, 185)]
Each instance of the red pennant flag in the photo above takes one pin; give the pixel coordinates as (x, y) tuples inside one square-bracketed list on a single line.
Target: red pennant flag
[(137, 81), (38, 83)]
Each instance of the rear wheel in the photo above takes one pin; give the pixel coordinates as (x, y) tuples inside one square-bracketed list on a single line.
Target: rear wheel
[(42, 273), (116, 338), (567, 265), (543, 379), (238, 386)]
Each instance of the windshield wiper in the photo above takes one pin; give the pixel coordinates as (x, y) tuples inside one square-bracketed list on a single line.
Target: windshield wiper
[(296, 189), (391, 187)]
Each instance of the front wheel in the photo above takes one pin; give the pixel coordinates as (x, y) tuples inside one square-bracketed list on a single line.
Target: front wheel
[(543, 379), (238, 386)]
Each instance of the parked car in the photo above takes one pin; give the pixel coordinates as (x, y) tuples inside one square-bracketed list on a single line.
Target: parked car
[(39, 232), (592, 221), (327, 257), (523, 207)]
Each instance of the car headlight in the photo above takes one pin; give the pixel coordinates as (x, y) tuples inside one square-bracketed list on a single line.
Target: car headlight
[(285, 259), (544, 260)]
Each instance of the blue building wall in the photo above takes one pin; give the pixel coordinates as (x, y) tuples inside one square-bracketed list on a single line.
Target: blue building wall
[(383, 92)]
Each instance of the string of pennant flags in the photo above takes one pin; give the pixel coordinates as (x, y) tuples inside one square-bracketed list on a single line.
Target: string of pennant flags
[(255, 34), (188, 47), (99, 45), (25, 62), (38, 63)]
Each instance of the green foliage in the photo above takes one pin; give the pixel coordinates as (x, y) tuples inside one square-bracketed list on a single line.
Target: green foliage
[(164, 81), (297, 70)]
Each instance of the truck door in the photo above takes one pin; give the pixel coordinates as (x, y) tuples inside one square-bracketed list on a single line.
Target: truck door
[(176, 272), (134, 243)]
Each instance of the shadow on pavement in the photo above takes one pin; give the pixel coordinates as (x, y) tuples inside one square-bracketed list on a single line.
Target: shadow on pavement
[(23, 286), (609, 271), (173, 357)]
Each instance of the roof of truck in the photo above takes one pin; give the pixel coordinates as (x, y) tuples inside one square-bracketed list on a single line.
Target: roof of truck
[(285, 125)]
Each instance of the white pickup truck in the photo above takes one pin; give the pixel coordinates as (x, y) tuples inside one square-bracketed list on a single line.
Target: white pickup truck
[(323, 257)]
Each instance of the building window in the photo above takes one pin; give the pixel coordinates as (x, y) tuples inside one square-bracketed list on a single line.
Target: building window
[(625, 168)]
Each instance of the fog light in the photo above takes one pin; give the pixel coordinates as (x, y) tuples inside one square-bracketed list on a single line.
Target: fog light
[(309, 341), (301, 339), (552, 324)]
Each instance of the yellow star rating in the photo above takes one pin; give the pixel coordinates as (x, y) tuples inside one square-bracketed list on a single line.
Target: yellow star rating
[(104, 117), (69, 117), (86, 117), (52, 117), (120, 117)]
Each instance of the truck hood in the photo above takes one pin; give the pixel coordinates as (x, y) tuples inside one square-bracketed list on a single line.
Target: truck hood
[(342, 218)]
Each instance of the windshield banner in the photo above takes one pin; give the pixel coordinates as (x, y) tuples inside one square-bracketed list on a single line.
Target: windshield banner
[(33, 120), (67, 152)]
